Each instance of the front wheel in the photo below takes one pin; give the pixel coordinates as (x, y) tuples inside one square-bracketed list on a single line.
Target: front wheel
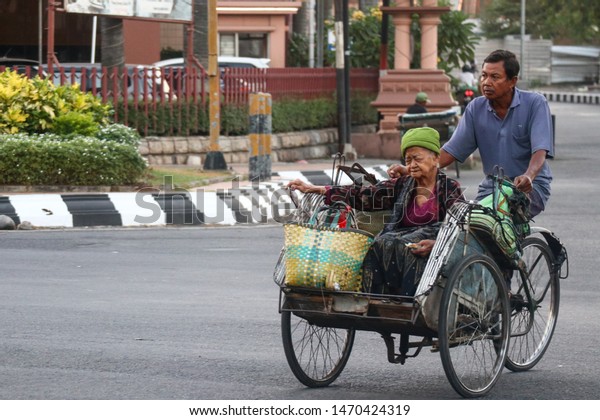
[(316, 355), (535, 298), (474, 324)]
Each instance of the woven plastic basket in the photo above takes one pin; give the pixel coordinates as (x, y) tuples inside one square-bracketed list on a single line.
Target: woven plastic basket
[(323, 257)]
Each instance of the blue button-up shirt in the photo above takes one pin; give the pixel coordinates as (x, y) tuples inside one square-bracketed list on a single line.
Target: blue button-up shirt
[(508, 142)]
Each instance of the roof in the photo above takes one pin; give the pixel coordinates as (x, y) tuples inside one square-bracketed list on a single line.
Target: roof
[(591, 52)]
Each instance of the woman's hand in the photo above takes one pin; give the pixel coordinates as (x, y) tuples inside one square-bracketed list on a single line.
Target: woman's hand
[(304, 187), (423, 248), (397, 170)]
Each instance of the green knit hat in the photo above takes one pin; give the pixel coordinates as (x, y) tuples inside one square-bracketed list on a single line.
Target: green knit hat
[(425, 137)]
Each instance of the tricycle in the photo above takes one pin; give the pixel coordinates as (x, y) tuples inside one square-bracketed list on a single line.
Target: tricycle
[(480, 309)]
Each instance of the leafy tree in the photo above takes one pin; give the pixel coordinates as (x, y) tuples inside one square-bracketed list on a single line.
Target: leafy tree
[(364, 34), (297, 51), (564, 22)]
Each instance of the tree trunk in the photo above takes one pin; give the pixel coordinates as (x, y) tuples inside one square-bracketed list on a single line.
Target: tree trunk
[(201, 32), (301, 20), (112, 49)]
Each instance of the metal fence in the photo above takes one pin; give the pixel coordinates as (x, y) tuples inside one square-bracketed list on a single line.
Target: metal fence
[(173, 100), (298, 83)]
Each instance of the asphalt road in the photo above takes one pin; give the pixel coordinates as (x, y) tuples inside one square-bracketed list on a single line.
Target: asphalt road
[(191, 313)]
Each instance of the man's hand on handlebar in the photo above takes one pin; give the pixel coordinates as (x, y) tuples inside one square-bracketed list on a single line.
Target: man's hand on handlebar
[(523, 183)]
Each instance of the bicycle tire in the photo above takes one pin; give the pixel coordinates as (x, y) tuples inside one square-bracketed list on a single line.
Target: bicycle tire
[(474, 325), (533, 323), (316, 355)]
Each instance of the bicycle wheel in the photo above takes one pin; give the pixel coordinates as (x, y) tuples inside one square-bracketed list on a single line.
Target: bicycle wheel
[(533, 321), (474, 326), (316, 355)]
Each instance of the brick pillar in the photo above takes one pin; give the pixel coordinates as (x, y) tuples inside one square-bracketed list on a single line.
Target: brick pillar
[(402, 52), (260, 136), (429, 40)]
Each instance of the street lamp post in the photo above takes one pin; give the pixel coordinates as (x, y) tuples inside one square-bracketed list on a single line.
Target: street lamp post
[(523, 40)]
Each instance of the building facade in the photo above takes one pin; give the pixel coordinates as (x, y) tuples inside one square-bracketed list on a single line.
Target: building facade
[(246, 28)]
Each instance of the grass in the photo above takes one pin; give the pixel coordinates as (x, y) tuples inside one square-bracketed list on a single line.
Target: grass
[(179, 177)]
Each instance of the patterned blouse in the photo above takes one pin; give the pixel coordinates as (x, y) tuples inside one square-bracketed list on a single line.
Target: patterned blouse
[(396, 195)]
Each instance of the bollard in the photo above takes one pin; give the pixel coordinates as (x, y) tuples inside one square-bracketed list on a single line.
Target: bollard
[(260, 136)]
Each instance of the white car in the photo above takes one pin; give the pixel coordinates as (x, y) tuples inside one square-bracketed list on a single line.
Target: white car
[(224, 61), (237, 85)]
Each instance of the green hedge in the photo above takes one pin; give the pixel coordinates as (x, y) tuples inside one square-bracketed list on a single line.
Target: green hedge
[(189, 118), (48, 160)]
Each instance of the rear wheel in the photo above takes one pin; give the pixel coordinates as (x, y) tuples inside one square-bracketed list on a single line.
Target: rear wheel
[(316, 355), (474, 325), (533, 316)]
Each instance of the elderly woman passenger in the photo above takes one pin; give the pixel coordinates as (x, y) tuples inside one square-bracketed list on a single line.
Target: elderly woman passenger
[(418, 202)]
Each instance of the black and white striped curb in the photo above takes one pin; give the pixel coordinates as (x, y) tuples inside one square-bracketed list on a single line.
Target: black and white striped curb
[(573, 97), (260, 202)]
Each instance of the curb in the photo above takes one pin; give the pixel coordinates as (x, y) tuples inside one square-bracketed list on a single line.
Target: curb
[(254, 203), (573, 97)]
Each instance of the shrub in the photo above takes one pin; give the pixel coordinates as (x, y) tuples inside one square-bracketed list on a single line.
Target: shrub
[(35, 105), (234, 120), (181, 118), (119, 133), (54, 160), (74, 123)]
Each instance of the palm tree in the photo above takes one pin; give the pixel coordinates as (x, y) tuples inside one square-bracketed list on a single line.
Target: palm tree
[(112, 48), (201, 31)]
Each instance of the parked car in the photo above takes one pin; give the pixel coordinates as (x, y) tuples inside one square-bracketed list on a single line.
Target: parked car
[(142, 81), (224, 62), (174, 68), (30, 68)]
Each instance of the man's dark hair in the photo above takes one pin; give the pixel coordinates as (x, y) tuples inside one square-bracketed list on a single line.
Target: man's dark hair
[(511, 64)]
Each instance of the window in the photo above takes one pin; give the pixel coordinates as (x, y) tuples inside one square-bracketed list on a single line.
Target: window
[(244, 44), (227, 44)]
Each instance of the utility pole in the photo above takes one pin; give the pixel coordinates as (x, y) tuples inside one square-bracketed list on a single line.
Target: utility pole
[(320, 12), (214, 158), (523, 40), (311, 33), (40, 32), (346, 18), (51, 58), (340, 75), (383, 54)]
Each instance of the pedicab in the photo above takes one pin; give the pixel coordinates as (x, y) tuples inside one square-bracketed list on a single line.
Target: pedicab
[(481, 307)]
